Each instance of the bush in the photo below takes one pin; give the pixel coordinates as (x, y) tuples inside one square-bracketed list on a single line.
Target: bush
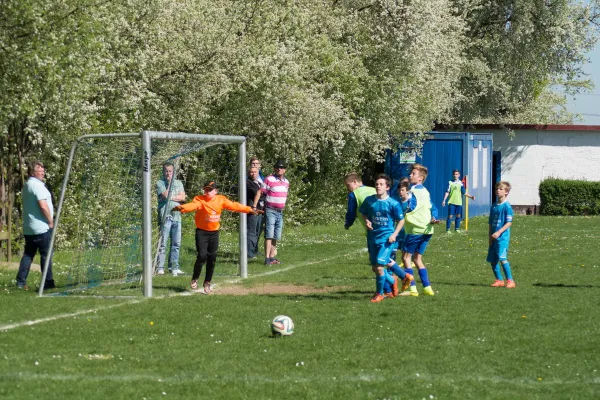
[(569, 197)]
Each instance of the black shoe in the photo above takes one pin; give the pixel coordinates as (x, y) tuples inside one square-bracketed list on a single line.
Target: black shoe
[(49, 285)]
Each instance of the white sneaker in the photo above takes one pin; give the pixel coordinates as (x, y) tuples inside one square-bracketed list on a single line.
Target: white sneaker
[(177, 272), (160, 272)]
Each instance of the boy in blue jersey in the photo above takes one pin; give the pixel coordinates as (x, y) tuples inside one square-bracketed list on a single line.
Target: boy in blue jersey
[(420, 217), (456, 190), (404, 197), (501, 216), (384, 221)]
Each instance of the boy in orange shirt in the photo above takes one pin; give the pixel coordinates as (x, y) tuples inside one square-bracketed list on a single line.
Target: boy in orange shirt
[(208, 208)]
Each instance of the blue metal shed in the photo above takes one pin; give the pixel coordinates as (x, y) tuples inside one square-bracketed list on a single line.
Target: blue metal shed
[(442, 153)]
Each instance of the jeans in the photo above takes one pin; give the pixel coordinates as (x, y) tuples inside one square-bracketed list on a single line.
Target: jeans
[(274, 224), (33, 243), (171, 229), (254, 225)]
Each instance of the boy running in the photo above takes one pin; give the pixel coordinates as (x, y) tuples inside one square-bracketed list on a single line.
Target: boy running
[(455, 190), (380, 213), (208, 210), (501, 216), (420, 217)]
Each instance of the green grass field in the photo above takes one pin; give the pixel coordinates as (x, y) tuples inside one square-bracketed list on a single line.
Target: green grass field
[(538, 341)]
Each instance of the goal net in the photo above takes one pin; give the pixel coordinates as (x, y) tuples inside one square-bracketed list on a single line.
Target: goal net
[(108, 228)]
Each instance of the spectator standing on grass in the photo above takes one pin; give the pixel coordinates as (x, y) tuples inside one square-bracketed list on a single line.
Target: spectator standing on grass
[(276, 189), (170, 194), (456, 190), (38, 222), (255, 162), (208, 208), (253, 186), (501, 216)]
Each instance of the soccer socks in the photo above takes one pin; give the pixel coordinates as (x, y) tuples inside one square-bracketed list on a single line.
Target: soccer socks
[(457, 223), (412, 272), (388, 282), (424, 277), (380, 281), (507, 271), (397, 270), (448, 222), (496, 269)]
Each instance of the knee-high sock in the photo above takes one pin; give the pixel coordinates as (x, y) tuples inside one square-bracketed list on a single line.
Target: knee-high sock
[(412, 272), (380, 281), (507, 271), (397, 270), (448, 222), (424, 277), (389, 278), (457, 223), (496, 269)]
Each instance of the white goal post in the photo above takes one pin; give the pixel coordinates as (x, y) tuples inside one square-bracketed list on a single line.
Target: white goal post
[(146, 138)]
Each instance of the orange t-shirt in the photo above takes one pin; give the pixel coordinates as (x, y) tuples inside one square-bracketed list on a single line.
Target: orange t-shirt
[(208, 212)]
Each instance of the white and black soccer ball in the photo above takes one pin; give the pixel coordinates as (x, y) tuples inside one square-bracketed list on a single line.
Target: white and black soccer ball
[(282, 325)]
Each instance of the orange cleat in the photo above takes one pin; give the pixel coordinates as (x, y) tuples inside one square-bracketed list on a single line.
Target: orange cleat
[(390, 295), (406, 282), (510, 284), (377, 298), (498, 283), (395, 290)]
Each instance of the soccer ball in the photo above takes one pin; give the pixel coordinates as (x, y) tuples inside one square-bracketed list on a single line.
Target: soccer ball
[(282, 325)]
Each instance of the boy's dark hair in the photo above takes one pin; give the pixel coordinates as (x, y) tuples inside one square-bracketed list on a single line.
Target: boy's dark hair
[(405, 179), (455, 171), (388, 181), (405, 185), (31, 166), (422, 170)]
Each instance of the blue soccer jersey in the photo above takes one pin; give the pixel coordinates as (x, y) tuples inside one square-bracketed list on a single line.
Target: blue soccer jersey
[(382, 214), (500, 214)]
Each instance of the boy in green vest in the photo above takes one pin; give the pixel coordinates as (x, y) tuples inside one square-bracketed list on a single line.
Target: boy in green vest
[(455, 190), (420, 217)]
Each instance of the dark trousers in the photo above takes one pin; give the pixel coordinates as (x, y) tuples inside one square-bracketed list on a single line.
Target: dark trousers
[(33, 243), (253, 234), (207, 244)]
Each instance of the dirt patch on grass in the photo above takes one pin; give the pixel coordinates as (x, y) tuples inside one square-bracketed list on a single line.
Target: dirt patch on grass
[(15, 265), (271, 288)]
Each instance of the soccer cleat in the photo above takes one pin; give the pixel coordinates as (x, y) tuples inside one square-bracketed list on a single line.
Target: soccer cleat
[(207, 287), (428, 291), (177, 272), (498, 283), (395, 290), (160, 272), (24, 287), (448, 231), (458, 231), (389, 295), (377, 298), (406, 282), (413, 291), (194, 284), (510, 284)]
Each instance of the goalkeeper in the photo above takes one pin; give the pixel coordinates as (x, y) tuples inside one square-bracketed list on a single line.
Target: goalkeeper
[(208, 208)]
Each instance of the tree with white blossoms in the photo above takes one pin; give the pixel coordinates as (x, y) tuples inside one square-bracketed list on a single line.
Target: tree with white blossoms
[(328, 85)]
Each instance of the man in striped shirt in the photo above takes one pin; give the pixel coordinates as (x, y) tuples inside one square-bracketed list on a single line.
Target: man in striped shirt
[(276, 188)]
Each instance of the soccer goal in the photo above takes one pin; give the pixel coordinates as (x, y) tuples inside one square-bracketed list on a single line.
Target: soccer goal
[(107, 226)]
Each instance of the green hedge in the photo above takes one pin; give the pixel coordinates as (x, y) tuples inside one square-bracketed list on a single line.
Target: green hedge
[(569, 197)]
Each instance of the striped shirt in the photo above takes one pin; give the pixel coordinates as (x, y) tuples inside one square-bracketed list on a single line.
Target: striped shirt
[(276, 190)]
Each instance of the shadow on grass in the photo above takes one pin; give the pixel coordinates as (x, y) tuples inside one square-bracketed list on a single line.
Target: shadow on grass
[(352, 295), (562, 285)]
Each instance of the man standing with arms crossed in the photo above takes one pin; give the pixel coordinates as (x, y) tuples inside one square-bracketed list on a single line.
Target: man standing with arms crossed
[(38, 222)]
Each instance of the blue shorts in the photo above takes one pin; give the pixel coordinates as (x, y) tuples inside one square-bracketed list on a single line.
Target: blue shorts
[(454, 209), (273, 223), (380, 253), (416, 243), (498, 251)]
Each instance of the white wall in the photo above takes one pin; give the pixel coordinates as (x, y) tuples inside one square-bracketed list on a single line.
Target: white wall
[(533, 155)]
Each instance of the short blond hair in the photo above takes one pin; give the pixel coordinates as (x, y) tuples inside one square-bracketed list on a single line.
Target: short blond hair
[(505, 185), (423, 171), (352, 176)]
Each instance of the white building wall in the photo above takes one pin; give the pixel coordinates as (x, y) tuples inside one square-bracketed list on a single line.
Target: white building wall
[(533, 155)]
